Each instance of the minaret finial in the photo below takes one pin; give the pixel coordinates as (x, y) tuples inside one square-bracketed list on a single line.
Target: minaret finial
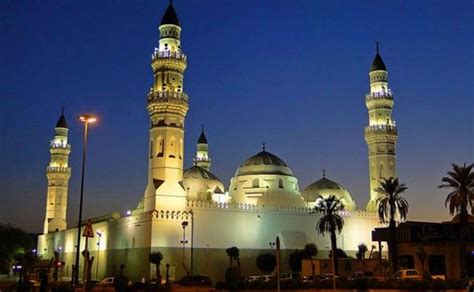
[(377, 47), (202, 128), (62, 110), (324, 172), (263, 145)]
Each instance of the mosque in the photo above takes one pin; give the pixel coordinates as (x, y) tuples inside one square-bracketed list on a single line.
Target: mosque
[(188, 214)]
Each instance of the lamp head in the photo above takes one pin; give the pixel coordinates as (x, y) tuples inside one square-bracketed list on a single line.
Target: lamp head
[(86, 118)]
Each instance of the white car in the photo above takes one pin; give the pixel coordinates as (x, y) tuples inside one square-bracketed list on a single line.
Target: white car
[(107, 281)]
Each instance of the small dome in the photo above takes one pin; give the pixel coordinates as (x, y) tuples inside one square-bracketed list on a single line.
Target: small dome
[(263, 163), (61, 122), (200, 184), (378, 63), (325, 187), (170, 16)]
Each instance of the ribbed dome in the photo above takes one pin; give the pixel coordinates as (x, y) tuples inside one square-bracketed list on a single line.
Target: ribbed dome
[(199, 173), (378, 63), (61, 122), (170, 16), (200, 184), (325, 187), (263, 163)]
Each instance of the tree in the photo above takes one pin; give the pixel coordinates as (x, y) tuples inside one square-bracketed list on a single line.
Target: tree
[(266, 262), (361, 251), (330, 222), (310, 250), (232, 274), (392, 206), (156, 258), (233, 254), (461, 182), (294, 261), (13, 241)]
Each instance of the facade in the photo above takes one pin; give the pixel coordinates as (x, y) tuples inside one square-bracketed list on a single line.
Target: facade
[(189, 216), (438, 241)]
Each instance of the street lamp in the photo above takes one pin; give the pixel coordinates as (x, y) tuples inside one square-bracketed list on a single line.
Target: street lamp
[(271, 244), (184, 224), (86, 119)]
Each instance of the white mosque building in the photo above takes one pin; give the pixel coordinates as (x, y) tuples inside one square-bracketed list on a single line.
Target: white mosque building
[(262, 201)]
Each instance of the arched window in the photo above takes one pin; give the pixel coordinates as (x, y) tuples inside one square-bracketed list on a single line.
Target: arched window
[(255, 183), (280, 183)]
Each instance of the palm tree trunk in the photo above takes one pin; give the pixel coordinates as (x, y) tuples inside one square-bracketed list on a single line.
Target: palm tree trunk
[(334, 252), (463, 220), (393, 247)]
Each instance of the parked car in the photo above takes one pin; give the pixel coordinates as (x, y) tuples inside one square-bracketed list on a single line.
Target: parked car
[(407, 274), (309, 279), (250, 279), (267, 278), (197, 280), (359, 274)]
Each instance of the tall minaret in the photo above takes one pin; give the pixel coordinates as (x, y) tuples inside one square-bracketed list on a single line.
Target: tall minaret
[(58, 173), (202, 152), (381, 133), (167, 106)]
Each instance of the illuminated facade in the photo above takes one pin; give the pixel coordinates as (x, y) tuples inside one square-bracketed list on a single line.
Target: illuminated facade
[(58, 173), (381, 133), (263, 200)]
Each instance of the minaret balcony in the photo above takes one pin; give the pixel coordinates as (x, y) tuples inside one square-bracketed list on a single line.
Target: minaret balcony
[(380, 95), (60, 145), (56, 169), (157, 96), (157, 54), (381, 129)]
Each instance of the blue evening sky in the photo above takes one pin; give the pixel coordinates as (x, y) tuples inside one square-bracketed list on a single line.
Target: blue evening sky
[(291, 73)]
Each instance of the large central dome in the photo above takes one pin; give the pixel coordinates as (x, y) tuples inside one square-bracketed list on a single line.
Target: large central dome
[(263, 163)]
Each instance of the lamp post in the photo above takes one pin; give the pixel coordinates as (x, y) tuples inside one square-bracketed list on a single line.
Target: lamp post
[(99, 234), (86, 119), (184, 224), (271, 244)]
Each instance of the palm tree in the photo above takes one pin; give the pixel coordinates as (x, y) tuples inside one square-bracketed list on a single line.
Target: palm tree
[(461, 180), (330, 222), (156, 258), (392, 206)]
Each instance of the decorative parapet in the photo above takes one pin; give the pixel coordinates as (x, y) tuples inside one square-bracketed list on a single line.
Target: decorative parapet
[(171, 215), (271, 209)]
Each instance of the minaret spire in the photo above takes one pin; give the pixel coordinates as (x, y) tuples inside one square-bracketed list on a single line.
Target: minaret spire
[(381, 134), (377, 47), (202, 158), (58, 173)]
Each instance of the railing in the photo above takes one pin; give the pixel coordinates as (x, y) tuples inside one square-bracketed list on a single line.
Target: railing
[(153, 95), (58, 169), (60, 145), (382, 127), (385, 94), (168, 54)]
